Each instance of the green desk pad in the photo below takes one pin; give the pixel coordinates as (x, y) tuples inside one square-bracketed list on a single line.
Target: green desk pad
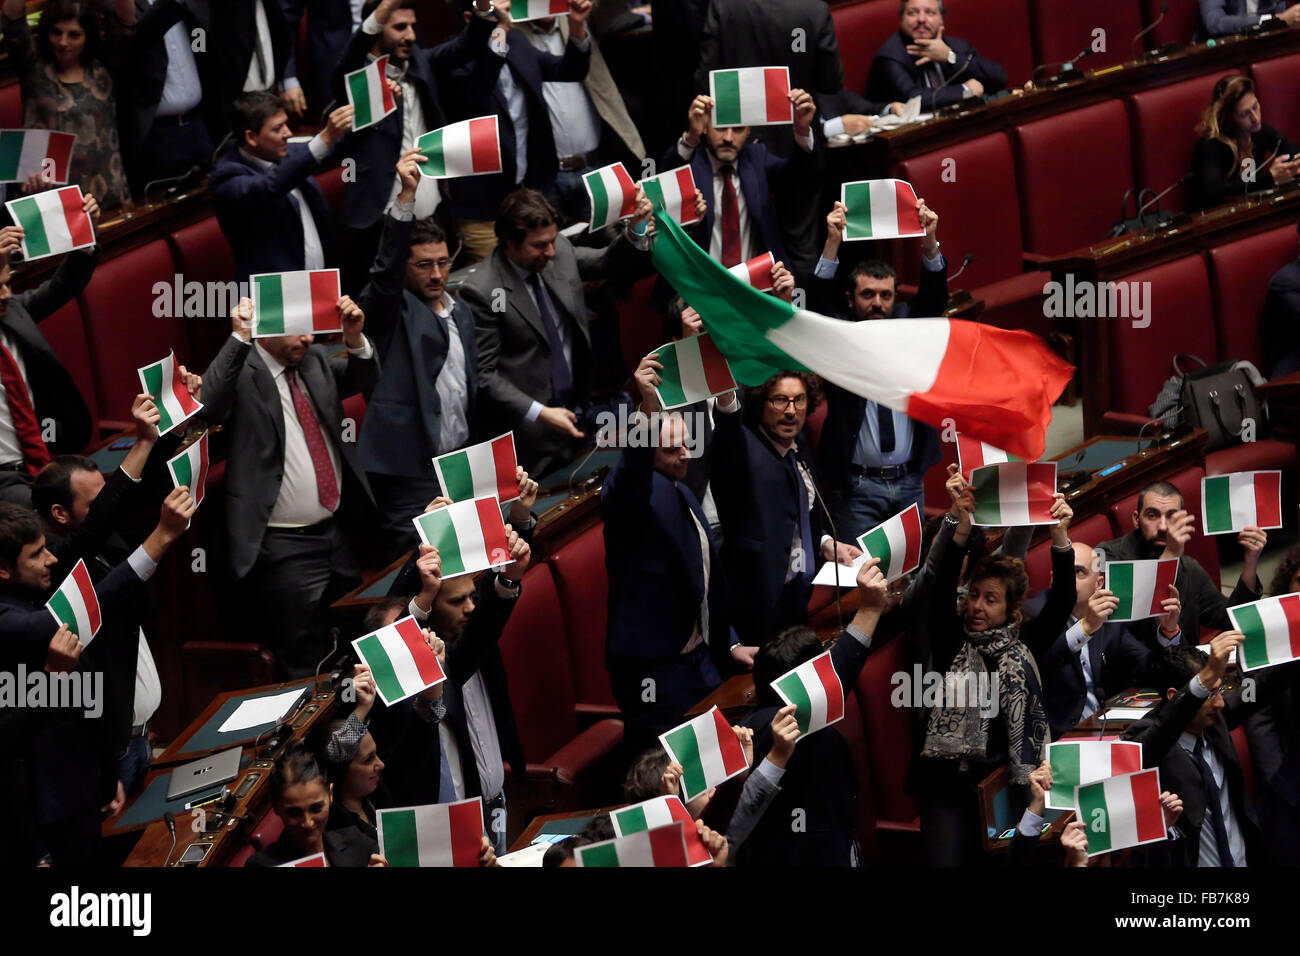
[(208, 738), (152, 804)]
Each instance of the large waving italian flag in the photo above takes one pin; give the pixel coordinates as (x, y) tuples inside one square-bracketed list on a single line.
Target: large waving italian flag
[(400, 660), (1120, 812), (439, 834), (661, 812), (816, 692), (1272, 630), (662, 846), (973, 453), (469, 535), (996, 385), (163, 383), (708, 750), (76, 605), (52, 222), (1087, 761)]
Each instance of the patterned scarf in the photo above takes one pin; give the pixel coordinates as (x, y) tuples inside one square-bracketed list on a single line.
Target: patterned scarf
[(959, 732)]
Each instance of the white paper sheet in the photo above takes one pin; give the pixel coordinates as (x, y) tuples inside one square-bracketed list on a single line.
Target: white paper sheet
[(260, 710), (848, 575)]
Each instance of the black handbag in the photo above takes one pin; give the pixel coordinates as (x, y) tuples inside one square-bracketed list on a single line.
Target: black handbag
[(1219, 398)]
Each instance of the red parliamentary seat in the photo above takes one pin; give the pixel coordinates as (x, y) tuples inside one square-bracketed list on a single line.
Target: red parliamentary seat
[(1164, 135), (1179, 25), (124, 332), (583, 588), (1061, 28), (1073, 170), (640, 324), (332, 185), (535, 651), (66, 333), (354, 407), (888, 733), (1239, 276), (999, 30), (203, 255), (265, 832), (1203, 547), (860, 30), (1277, 84), (1093, 530)]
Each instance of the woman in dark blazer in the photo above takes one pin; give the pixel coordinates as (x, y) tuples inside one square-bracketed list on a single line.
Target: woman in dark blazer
[(1237, 153)]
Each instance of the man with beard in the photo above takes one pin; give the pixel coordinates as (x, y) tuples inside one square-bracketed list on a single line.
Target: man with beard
[(1161, 529), (874, 458), (922, 60)]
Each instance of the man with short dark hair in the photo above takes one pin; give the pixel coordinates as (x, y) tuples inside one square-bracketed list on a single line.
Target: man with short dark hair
[(1161, 529), (534, 346), (425, 403), (875, 458), (270, 209), (921, 59)]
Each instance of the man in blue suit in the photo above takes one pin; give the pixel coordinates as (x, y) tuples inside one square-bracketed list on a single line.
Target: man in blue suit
[(737, 177), (667, 591), (875, 458), (270, 209), (506, 79), (424, 402), (921, 59), (1095, 657), (1221, 18)]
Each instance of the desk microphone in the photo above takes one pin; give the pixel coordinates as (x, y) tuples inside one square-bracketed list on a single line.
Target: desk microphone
[(1162, 194), (1164, 8), (1067, 66), (965, 261), (171, 179), (170, 819), (334, 646), (934, 104)]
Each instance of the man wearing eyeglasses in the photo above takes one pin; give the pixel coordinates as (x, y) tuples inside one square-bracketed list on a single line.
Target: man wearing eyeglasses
[(424, 403), (773, 533)]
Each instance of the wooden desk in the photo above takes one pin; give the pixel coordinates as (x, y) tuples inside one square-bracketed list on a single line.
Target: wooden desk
[(535, 826), (735, 697)]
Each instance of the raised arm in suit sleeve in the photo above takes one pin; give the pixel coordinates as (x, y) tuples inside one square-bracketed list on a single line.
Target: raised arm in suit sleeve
[(1159, 733), (571, 67), (931, 291), (68, 281), (625, 499), (1039, 633), (381, 298), (494, 387), (221, 380), (462, 48), (620, 260), (102, 519), (471, 650), (231, 183)]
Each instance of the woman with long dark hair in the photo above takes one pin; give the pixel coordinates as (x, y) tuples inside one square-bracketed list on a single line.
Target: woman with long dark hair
[(1237, 153)]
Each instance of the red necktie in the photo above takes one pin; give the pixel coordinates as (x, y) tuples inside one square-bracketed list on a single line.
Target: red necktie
[(326, 483), (23, 414), (731, 254)]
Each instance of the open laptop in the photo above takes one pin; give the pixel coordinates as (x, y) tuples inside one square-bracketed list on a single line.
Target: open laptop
[(204, 773)]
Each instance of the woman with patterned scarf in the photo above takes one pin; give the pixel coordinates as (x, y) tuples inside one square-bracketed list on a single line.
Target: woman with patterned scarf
[(980, 641)]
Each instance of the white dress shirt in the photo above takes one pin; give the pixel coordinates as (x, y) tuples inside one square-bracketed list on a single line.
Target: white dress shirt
[(181, 90), (261, 65), (575, 124), (453, 384), (313, 251), (1209, 854)]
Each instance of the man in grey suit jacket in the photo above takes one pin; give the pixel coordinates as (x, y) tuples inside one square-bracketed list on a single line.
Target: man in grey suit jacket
[(534, 346), (424, 404), (288, 472)]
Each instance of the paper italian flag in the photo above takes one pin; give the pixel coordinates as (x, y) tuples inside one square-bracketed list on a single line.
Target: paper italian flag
[(1141, 586), (661, 812), (754, 96), (316, 859), (1013, 494), (400, 660), (673, 192), (896, 542), (162, 382), (469, 535), (438, 834), (662, 846), (880, 209), (521, 10), (26, 152), (816, 692), (76, 605), (296, 303), (190, 468), (483, 470), (368, 93), (757, 272), (468, 148), (1231, 502), (1121, 812), (52, 222), (708, 750), (1087, 761), (973, 453), (612, 194), (1272, 629), (693, 370), (994, 384)]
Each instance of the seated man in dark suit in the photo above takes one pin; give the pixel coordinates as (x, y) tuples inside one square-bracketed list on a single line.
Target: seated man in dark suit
[(818, 777), (1188, 737), (875, 458), (767, 501), (1282, 317), (41, 412), (425, 403), (535, 363), (290, 477), (737, 177), (1161, 529), (1094, 657), (667, 590), (270, 208), (1220, 18), (922, 60)]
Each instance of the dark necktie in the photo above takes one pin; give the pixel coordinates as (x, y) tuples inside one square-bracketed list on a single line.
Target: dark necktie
[(885, 421), (561, 374), (22, 414), (327, 484), (1213, 805), (805, 523), (731, 251)]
